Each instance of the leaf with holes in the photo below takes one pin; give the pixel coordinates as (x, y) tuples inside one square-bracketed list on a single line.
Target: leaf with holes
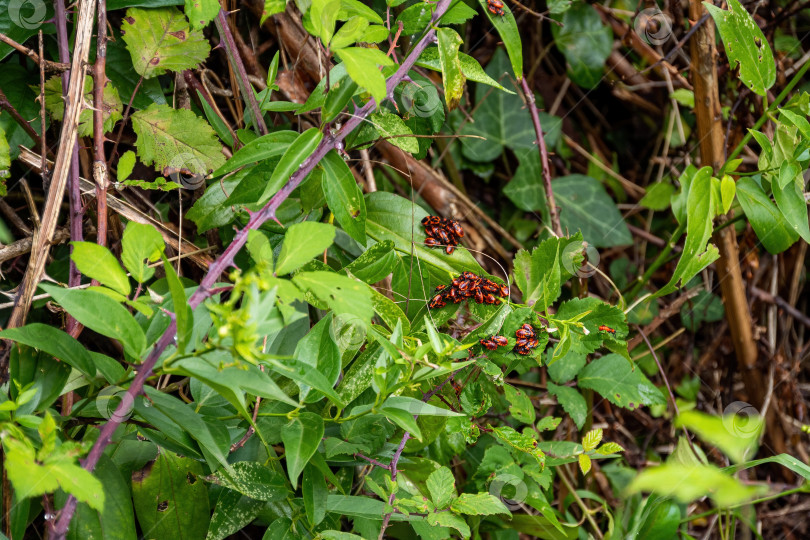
[(745, 45), (176, 140), (160, 40), (171, 500)]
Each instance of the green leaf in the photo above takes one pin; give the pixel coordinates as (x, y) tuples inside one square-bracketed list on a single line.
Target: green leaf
[(301, 437), (736, 435), (586, 206), (772, 229), (293, 157), (343, 295), (96, 262), (55, 342), (415, 406), (572, 402), (452, 77), (658, 196), (697, 255), (584, 463), (361, 65), (125, 165), (585, 42), (728, 189), (111, 110), (470, 67), (201, 12), (609, 448), (182, 311), (520, 442), (592, 439), (171, 500), (233, 512), (258, 150), (302, 242), (323, 16), (500, 118), (260, 248), (375, 263), (391, 217), (161, 40), (350, 32), (687, 483), (507, 28), (442, 487), (319, 351), (341, 92), (614, 378), (116, 521), (87, 307), (254, 480), (393, 128), (745, 45), (446, 519), (176, 140), (5, 162), (479, 504), (141, 244), (789, 197), (314, 489), (521, 406), (272, 7)]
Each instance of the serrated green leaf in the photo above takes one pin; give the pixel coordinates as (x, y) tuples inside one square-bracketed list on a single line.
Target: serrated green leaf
[(609, 448), (176, 140), (592, 439), (111, 109), (614, 378), (161, 40), (201, 12), (687, 483), (584, 463), (142, 244), (392, 128), (442, 487)]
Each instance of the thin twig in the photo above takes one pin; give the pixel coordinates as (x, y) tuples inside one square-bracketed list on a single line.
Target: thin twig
[(37, 58), (554, 213), (225, 261), (224, 30), (100, 173)]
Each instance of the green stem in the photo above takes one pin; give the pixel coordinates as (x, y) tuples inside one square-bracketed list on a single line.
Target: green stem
[(656, 264), (772, 107), (800, 489)]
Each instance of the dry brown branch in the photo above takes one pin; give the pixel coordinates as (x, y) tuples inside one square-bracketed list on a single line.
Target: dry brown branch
[(131, 213), (67, 141)]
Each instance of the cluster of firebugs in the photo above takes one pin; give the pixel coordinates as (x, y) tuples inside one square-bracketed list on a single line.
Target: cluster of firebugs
[(443, 232)]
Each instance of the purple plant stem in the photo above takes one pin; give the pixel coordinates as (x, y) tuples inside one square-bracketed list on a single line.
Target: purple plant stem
[(554, 213), (395, 459), (74, 193), (225, 261), (241, 75)]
